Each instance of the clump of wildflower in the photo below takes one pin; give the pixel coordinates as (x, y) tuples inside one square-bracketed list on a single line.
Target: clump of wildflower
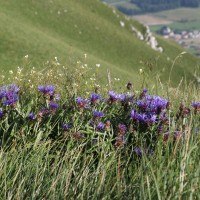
[(126, 99), (9, 94), (48, 90), (153, 104), (196, 106)]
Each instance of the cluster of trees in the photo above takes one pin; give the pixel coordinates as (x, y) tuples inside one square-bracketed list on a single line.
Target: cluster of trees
[(158, 5)]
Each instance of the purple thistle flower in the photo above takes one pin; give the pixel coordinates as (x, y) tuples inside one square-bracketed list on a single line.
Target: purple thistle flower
[(100, 126), (10, 98), (112, 97), (31, 116), (9, 94), (94, 97), (47, 90), (145, 90), (152, 104), (134, 115), (125, 98), (98, 114), (14, 88), (53, 105), (81, 102), (196, 106)]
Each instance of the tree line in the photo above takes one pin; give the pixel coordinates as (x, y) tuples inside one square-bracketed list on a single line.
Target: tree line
[(158, 5)]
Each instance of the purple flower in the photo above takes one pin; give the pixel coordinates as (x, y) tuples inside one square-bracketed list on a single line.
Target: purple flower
[(31, 116), (98, 114), (112, 97), (138, 151), (14, 88), (9, 94), (125, 98), (134, 115), (100, 126), (196, 106), (145, 91), (10, 98), (81, 102), (152, 104), (53, 105), (94, 97), (66, 127), (47, 90)]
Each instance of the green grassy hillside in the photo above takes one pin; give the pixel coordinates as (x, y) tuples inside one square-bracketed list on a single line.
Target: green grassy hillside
[(69, 29)]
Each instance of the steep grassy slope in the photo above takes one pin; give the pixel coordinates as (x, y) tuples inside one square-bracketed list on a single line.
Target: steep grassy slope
[(69, 29)]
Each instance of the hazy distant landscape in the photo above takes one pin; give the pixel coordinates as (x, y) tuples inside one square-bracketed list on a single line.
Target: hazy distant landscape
[(177, 19)]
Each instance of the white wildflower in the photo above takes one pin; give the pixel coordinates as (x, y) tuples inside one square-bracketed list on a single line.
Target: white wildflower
[(98, 65)]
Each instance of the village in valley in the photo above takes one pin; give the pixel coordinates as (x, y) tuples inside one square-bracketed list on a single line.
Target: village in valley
[(186, 38)]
